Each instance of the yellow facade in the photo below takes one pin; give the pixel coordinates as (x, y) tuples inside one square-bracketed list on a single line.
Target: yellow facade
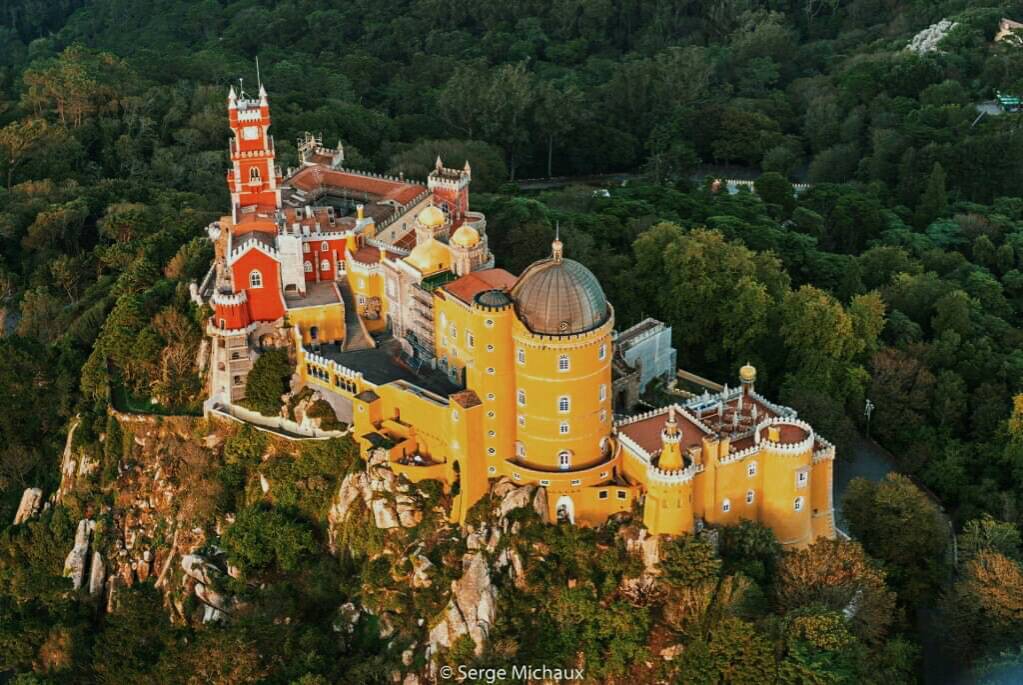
[(562, 398), (328, 320), (536, 409), (367, 285)]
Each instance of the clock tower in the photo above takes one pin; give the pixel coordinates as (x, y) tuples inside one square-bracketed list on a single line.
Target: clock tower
[(254, 179)]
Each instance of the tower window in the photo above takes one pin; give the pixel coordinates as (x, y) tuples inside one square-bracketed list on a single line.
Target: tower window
[(603, 392), (751, 469), (563, 403), (254, 176), (522, 356), (308, 267), (490, 348), (491, 451), (520, 450), (749, 497), (324, 265), (522, 420), (255, 279), (489, 323), (726, 505), (603, 415), (564, 459), (522, 398), (798, 504), (563, 428), (470, 340), (603, 352), (801, 479), (563, 363), (324, 246)]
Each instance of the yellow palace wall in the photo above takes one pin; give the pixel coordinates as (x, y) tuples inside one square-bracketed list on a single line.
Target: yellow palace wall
[(367, 282), (587, 384), (329, 320)]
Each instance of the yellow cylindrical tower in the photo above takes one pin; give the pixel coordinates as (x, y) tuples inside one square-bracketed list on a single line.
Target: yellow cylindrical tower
[(786, 448), (492, 375), (562, 339)]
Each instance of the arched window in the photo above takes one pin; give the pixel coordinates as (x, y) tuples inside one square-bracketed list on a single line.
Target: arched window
[(563, 403), (520, 450), (603, 352), (751, 469), (255, 279), (603, 392), (308, 267), (324, 265), (749, 497), (563, 363), (726, 505), (522, 398), (563, 428), (798, 504), (564, 460), (254, 176), (324, 246)]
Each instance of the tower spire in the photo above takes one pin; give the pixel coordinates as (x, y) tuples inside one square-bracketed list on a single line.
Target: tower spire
[(557, 249), (670, 458)]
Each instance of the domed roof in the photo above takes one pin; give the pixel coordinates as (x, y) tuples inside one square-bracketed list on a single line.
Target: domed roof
[(748, 373), (493, 298), (466, 236), (431, 217), (429, 257), (559, 296)]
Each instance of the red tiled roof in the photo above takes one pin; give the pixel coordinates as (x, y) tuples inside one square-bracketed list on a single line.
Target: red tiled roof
[(472, 284), (367, 254), (313, 177), (647, 432)]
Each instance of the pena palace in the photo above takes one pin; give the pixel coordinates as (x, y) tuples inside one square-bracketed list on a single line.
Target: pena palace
[(386, 295)]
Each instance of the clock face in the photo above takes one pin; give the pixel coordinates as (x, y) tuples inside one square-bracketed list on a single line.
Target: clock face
[(250, 132)]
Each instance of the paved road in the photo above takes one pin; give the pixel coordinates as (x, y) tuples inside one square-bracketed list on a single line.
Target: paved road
[(873, 463)]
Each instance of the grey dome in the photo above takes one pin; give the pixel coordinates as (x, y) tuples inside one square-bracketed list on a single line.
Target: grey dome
[(559, 297), (493, 298)]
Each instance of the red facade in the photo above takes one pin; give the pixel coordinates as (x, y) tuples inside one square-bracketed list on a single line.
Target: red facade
[(258, 274)]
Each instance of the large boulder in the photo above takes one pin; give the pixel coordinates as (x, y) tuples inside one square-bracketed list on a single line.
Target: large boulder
[(471, 609), (97, 575), (31, 500), (74, 564)]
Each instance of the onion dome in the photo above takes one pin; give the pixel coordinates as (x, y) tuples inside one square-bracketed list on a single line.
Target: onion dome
[(558, 296), (466, 236), (429, 257), (431, 217)]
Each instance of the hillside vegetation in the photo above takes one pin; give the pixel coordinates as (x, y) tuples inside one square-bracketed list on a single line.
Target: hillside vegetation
[(896, 276)]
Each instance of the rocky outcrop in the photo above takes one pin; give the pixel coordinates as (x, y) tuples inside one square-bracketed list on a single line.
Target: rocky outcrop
[(471, 609), (97, 575), (390, 500), (31, 501), (928, 39), (75, 464), (202, 574), (75, 563)]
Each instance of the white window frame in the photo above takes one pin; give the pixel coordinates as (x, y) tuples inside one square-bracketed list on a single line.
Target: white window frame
[(750, 496), (255, 278), (308, 267), (470, 340), (324, 246), (751, 469), (564, 363), (521, 398), (603, 392), (603, 352), (565, 460), (797, 505), (324, 265), (521, 356), (802, 479), (564, 404), (726, 505), (564, 428)]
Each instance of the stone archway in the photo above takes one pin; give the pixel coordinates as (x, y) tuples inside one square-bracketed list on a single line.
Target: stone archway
[(564, 509)]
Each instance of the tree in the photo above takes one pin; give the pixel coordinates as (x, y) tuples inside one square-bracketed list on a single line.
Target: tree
[(984, 609), (556, 112), (775, 189), (264, 539), (134, 637), (899, 524), (934, 200), (20, 141), (731, 654), (267, 382), (838, 575)]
